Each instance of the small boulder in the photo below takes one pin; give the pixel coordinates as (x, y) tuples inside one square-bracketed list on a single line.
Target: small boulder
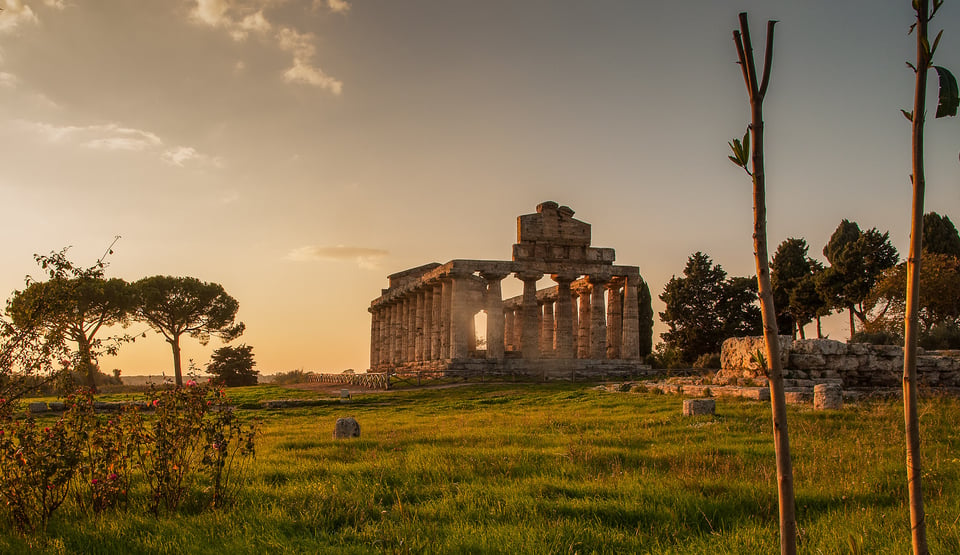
[(346, 428), (695, 407)]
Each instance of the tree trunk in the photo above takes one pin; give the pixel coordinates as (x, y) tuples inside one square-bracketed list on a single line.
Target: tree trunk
[(853, 328), (788, 524), (178, 375), (819, 328), (911, 421), (800, 329), (86, 362)]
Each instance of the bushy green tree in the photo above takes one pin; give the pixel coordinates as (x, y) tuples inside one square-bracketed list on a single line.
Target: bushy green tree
[(939, 302), (75, 304), (174, 306), (646, 319), (793, 276), (940, 235), (857, 261), (704, 307), (233, 366)]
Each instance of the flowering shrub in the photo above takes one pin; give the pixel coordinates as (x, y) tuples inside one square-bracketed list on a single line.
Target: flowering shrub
[(108, 448), (194, 429), (37, 464), (194, 434), (225, 438)]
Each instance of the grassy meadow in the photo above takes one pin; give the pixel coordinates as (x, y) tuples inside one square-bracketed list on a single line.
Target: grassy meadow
[(559, 468)]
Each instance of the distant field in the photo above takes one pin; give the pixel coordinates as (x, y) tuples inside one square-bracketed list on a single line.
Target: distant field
[(552, 469)]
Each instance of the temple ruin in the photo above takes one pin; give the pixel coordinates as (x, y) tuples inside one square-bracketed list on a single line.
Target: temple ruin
[(585, 325)]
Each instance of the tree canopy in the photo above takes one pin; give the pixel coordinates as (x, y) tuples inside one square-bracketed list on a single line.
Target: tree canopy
[(75, 304), (857, 261), (794, 279), (233, 366), (939, 307), (704, 307), (940, 235), (174, 306)]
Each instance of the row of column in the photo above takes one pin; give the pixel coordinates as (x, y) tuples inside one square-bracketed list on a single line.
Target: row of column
[(579, 322), (436, 321)]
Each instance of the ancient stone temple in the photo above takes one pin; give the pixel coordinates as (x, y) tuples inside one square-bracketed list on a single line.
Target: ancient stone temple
[(586, 324)]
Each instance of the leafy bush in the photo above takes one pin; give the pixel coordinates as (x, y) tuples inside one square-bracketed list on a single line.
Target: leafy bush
[(291, 377), (233, 366), (193, 436), (880, 337), (940, 337), (708, 360), (38, 465)]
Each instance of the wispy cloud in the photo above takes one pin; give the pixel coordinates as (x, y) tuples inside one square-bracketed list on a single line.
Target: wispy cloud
[(183, 155), (365, 257), (300, 45), (241, 18), (8, 80), (15, 14), (115, 137), (336, 6)]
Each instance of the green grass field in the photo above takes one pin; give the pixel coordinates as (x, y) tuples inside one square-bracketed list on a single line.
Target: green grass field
[(551, 469)]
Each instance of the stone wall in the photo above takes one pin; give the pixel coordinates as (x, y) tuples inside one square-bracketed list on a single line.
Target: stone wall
[(854, 365)]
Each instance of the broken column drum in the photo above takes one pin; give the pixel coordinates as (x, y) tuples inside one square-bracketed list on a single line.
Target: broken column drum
[(587, 322)]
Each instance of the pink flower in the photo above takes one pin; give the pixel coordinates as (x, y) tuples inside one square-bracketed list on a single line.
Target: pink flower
[(112, 476), (191, 383), (94, 481), (156, 402)]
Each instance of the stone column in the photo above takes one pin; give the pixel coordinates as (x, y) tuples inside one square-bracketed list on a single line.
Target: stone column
[(437, 293), (386, 335), (517, 328), (418, 326), (598, 318), (495, 321), (397, 356), (546, 329), (530, 336), (445, 319), (427, 331), (374, 336), (583, 333), (564, 346), (459, 317), (614, 318), (630, 347), (574, 322), (412, 328), (508, 331)]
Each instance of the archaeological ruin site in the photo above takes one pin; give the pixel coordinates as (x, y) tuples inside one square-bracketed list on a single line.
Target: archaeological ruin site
[(585, 325)]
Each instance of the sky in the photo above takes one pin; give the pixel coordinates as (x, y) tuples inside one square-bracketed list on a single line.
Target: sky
[(298, 152)]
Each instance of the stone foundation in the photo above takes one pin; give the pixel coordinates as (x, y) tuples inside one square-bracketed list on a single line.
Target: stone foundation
[(853, 366)]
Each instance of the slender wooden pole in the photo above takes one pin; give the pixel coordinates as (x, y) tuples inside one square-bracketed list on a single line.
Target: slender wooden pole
[(918, 525), (781, 436)]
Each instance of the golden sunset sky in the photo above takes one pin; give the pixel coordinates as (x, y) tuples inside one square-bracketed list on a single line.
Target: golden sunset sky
[(298, 152)]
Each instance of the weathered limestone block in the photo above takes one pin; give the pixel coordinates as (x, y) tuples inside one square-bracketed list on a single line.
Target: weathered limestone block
[(892, 351), (807, 361), (858, 349), (827, 397), (819, 347), (36, 407), (346, 428), (798, 397), (739, 353), (843, 362), (695, 407)]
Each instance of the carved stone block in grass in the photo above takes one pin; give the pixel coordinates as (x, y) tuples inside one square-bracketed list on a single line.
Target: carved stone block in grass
[(696, 407)]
